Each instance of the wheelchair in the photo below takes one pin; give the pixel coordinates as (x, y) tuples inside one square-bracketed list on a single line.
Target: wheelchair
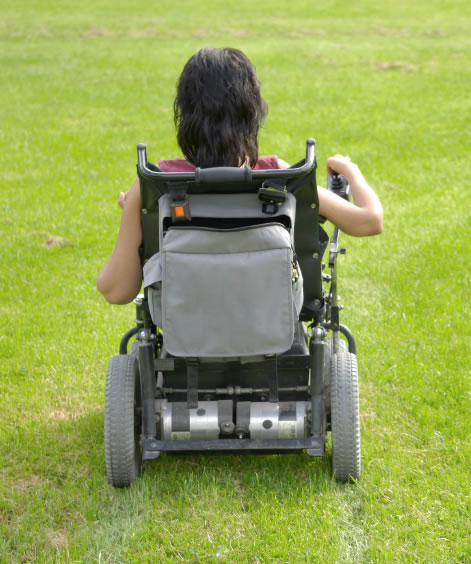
[(238, 344)]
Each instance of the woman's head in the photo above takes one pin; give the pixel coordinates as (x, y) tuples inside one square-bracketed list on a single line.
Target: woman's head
[(219, 109)]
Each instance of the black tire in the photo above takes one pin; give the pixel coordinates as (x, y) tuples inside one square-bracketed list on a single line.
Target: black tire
[(123, 421), (346, 447), (328, 352)]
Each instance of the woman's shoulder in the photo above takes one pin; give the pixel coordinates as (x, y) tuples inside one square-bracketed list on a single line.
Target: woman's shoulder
[(267, 162), (175, 165)]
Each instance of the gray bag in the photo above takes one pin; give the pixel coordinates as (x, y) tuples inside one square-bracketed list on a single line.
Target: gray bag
[(225, 292)]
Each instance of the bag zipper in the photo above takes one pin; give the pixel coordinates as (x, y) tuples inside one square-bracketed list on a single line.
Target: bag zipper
[(232, 229)]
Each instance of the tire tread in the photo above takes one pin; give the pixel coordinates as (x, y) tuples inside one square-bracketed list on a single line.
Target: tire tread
[(346, 443), (122, 455)]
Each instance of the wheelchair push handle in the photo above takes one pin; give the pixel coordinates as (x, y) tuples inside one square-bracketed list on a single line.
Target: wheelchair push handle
[(226, 174)]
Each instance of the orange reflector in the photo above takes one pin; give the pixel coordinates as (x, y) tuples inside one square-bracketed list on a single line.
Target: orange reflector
[(179, 211)]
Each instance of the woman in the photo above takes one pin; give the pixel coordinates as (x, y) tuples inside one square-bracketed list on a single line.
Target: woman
[(218, 112)]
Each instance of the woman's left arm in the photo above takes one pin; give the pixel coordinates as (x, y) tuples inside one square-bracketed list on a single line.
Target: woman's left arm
[(120, 279)]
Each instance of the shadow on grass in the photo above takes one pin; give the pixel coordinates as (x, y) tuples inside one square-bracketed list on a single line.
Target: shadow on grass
[(71, 450), (279, 475), (55, 496)]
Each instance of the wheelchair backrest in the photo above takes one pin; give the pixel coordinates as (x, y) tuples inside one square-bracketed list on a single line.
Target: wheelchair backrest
[(228, 257)]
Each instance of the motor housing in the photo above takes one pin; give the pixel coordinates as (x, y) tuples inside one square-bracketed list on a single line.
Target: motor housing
[(210, 420), (214, 419), (266, 420)]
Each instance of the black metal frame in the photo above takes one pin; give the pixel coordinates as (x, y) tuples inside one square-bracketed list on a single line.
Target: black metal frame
[(321, 309), (225, 174), (314, 445)]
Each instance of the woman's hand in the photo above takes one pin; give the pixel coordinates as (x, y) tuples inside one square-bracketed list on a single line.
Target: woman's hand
[(341, 165), (122, 199)]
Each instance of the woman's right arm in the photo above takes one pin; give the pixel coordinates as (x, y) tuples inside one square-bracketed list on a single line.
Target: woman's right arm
[(362, 217), (120, 279)]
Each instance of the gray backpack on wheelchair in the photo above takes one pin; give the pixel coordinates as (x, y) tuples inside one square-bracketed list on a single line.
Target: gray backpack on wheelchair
[(237, 344)]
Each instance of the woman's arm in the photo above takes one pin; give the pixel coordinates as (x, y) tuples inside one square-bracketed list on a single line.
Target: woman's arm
[(121, 277), (362, 217), (365, 215)]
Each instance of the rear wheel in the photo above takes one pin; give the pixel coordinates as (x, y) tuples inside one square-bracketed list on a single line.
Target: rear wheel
[(328, 352), (123, 421), (345, 412)]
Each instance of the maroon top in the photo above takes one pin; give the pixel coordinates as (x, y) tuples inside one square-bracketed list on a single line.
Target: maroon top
[(182, 165)]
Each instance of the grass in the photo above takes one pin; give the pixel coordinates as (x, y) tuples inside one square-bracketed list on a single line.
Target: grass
[(386, 83)]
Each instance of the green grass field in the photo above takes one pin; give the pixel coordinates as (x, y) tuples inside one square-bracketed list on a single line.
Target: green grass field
[(385, 82)]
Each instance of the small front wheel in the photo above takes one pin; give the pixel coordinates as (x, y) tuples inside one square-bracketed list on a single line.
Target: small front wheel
[(123, 421), (345, 412)]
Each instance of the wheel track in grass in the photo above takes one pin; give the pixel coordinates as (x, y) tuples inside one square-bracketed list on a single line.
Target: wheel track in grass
[(351, 531)]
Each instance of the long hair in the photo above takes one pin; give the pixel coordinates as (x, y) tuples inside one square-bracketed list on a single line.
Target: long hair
[(218, 109)]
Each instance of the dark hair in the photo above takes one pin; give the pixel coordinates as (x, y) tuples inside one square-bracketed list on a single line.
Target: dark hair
[(219, 109)]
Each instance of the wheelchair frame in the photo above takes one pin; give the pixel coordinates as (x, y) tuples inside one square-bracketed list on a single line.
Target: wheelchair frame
[(322, 360)]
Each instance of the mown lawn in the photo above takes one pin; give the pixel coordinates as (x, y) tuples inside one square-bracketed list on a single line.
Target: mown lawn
[(386, 83)]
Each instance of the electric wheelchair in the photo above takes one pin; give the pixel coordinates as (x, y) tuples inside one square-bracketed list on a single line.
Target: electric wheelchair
[(237, 345)]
